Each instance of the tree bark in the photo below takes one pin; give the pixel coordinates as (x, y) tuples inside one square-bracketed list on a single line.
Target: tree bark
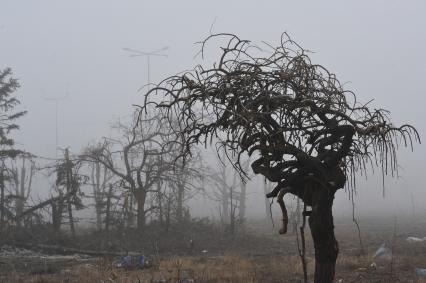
[(322, 230), (266, 190)]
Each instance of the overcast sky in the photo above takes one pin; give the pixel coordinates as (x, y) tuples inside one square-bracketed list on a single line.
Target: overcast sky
[(74, 48)]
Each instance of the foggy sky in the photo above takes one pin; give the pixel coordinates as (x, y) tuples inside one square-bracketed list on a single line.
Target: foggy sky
[(75, 47)]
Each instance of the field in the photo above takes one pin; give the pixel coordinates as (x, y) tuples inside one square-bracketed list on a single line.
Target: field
[(257, 254)]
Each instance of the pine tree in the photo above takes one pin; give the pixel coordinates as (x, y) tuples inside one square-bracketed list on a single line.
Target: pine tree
[(8, 115)]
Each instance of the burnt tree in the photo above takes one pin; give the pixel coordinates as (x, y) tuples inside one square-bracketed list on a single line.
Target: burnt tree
[(304, 131)]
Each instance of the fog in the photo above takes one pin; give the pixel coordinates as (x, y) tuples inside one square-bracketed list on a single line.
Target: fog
[(73, 51)]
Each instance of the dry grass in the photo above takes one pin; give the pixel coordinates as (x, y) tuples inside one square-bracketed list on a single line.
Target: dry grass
[(229, 269), (273, 264)]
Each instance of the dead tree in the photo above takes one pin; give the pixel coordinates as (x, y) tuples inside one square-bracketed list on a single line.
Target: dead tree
[(21, 181), (306, 132), (100, 178), (225, 181), (68, 182), (184, 183), (139, 158)]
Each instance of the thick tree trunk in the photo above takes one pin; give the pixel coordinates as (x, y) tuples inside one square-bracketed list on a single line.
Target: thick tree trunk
[(266, 190), (57, 210), (322, 229)]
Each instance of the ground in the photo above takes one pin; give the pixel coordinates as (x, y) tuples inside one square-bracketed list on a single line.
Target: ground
[(257, 254)]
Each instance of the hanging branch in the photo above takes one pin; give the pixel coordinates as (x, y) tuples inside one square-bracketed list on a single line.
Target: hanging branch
[(304, 131), (292, 114)]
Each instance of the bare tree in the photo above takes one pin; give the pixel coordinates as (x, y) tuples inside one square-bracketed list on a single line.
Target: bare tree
[(100, 181), (184, 182), (226, 182), (68, 183), (308, 134), (139, 159), (21, 181)]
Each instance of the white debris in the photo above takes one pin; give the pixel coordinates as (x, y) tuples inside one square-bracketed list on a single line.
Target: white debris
[(421, 271), (7, 251), (415, 240), (373, 265), (383, 252)]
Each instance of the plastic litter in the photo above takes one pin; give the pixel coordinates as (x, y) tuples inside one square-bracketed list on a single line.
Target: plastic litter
[(383, 252), (421, 271), (131, 261), (415, 240)]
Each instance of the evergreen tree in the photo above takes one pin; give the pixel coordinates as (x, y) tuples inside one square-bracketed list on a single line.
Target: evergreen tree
[(8, 114)]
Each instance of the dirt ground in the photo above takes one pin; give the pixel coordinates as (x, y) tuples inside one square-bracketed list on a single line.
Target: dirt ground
[(257, 254)]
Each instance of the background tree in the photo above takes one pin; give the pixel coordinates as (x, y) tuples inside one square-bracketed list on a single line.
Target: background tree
[(22, 174), (306, 133), (8, 116), (100, 180), (68, 183), (140, 158)]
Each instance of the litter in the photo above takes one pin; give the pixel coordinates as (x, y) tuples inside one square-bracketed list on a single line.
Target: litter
[(415, 240), (421, 271), (383, 252), (131, 261)]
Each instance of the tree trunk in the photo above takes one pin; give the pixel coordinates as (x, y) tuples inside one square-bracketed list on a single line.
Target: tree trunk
[(140, 198), (69, 189), (168, 211), (242, 202), (225, 204), (322, 230), (57, 210), (266, 190), (2, 202), (160, 204), (180, 196)]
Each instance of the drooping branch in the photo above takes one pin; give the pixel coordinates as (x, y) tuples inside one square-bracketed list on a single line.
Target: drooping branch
[(291, 113)]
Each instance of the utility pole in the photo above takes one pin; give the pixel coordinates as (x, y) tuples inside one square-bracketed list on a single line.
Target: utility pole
[(56, 100), (155, 53)]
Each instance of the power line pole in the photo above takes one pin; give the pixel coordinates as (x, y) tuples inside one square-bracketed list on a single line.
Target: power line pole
[(155, 53), (56, 99)]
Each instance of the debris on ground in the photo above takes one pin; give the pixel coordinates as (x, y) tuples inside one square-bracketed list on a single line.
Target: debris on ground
[(7, 251), (134, 261), (421, 272), (383, 252), (415, 240)]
